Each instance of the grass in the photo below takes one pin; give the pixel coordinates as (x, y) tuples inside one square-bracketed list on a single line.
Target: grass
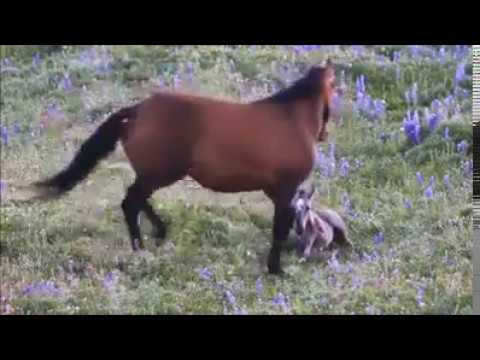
[(213, 260)]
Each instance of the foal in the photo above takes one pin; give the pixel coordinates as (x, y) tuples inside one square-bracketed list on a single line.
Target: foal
[(317, 229), (266, 145)]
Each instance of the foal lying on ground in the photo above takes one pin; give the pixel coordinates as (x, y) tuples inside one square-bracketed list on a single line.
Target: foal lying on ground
[(267, 145), (317, 229)]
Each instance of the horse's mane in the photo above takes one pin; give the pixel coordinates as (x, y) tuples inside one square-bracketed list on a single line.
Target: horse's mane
[(300, 89)]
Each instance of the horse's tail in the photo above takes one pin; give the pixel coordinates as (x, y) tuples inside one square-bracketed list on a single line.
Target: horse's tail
[(98, 146)]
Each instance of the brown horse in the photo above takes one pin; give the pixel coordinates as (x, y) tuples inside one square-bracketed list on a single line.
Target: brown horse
[(267, 145)]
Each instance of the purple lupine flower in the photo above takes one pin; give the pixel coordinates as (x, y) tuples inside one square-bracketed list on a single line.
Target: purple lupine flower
[(428, 192), (110, 280), (407, 97), (433, 122), (230, 297), (206, 274), (3, 186), (4, 134), (357, 282), (446, 181), (370, 310), (378, 238), (446, 134), (323, 163), (407, 203), (396, 56), (16, 128), (459, 73), (397, 73), (334, 264), (462, 147), (36, 60), (67, 83), (420, 178), (441, 54), (42, 288), (421, 295), (468, 168), (411, 127), (344, 167), (331, 159), (259, 287), (176, 81), (413, 94), (240, 311), (332, 280), (281, 300)]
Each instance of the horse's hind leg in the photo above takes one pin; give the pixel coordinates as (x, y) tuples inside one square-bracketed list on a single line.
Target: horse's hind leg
[(133, 202), (136, 200), (160, 229)]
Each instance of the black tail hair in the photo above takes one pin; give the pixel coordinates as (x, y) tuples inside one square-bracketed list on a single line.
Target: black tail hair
[(98, 146)]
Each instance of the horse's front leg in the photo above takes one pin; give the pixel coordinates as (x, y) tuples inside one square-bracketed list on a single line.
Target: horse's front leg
[(282, 223)]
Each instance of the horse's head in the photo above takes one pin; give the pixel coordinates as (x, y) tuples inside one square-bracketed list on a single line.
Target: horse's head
[(322, 77)]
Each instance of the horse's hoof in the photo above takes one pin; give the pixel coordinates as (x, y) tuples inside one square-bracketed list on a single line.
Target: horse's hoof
[(159, 233), (276, 270)]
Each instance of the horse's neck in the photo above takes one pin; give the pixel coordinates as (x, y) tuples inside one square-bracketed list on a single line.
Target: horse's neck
[(309, 117)]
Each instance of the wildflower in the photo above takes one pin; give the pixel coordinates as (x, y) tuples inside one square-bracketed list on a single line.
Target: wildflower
[(433, 122), (110, 280), (67, 83), (396, 56), (441, 54), (4, 134), (462, 147), (3, 186), (259, 287), (176, 81), (332, 280), (36, 60), (42, 288), (413, 94), (407, 203), (397, 73), (334, 264), (459, 73), (420, 178), (420, 295), (16, 128), (240, 311), (446, 181), (428, 192), (370, 310), (378, 238), (230, 297), (412, 129), (468, 167), (446, 134), (281, 301), (356, 282), (344, 167), (206, 274), (407, 97)]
